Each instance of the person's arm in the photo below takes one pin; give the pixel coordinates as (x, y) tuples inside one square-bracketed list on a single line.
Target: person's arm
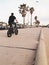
[(16, 21)]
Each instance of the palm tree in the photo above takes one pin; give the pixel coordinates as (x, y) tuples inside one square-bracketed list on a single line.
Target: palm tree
[(22, 9), (31, 12), (37, 22)]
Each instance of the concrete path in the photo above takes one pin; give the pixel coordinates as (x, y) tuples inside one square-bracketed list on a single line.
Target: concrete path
[(19, 49), (46, 43)]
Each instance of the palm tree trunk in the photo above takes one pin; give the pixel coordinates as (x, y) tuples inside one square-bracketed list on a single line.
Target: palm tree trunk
[(31, 20), (24, 21)]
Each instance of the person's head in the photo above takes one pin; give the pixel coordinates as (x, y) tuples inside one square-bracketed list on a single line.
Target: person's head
[(35, 17), (12, 14)]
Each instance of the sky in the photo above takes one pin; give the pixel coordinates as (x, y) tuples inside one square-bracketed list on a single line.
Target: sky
[(41, 10)]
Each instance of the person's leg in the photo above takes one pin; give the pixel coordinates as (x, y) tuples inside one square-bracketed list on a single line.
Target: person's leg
[(14, 23), (10, 25)]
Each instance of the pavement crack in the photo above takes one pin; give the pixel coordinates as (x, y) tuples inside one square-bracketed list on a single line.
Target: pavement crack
[(18, 47)]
